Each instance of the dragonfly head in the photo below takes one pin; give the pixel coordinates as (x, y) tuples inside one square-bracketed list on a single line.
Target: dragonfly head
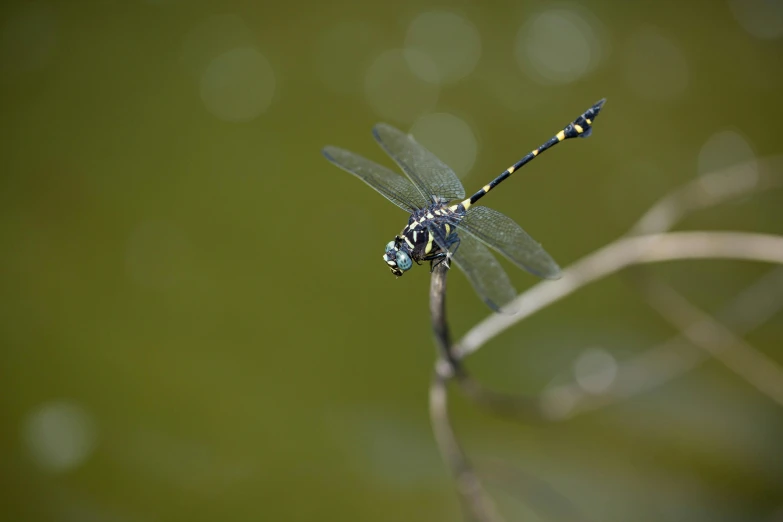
[(397, 257)]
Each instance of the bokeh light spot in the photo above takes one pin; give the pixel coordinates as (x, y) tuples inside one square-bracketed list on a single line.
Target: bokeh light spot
[(595, 370), (656, 68), (238, 85), (557, 403), (394, 92), (60, 435), (724, 149), (451, 42), (448, 137), (761, 18), (28, 39), (559, 46)]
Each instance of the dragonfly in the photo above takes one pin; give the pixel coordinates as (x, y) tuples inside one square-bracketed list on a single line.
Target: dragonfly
[(444, 225)]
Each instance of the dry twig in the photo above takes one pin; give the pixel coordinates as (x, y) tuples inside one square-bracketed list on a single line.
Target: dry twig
[(647, 242)]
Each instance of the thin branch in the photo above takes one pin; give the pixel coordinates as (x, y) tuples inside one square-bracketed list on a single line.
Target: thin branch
[(656, 365), (469, 488), (527, 408), (543, 497), (706, 191), (710, 190), (621, 254), (475, 500), (746, 312), (440, 326), (719, 342), (676, 356)]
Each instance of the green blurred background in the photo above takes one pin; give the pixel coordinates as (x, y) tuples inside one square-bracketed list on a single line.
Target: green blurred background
[(197, 323)]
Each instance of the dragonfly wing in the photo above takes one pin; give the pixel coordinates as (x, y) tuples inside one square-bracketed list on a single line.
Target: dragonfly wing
[(391, 185), (430, 175), (504, 235), (485, 274)]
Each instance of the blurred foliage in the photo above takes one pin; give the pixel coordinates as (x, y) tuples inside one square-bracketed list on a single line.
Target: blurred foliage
[(197, 323)]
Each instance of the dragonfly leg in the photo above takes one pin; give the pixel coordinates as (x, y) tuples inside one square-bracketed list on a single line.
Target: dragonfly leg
[(436, 260), (445, 257)]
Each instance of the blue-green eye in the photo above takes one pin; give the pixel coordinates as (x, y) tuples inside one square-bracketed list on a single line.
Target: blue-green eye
[(390, 246), (403, 260)]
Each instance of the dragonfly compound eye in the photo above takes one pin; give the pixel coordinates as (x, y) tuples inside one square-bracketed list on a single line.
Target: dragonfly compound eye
[(404, 260)]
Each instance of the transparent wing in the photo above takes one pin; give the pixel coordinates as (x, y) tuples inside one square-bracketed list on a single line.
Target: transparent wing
[(488, 278), (504, 235), (430, 175), (391, 185)]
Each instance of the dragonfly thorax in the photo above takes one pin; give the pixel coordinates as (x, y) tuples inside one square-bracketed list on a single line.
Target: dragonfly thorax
[(422, 239)]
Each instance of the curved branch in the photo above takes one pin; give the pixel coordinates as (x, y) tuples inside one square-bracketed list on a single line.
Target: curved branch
[(621, 254), (717, 340), (652, 367), (710, 190), (469, 488), (657, 365), (726, 346), (750, 309)]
